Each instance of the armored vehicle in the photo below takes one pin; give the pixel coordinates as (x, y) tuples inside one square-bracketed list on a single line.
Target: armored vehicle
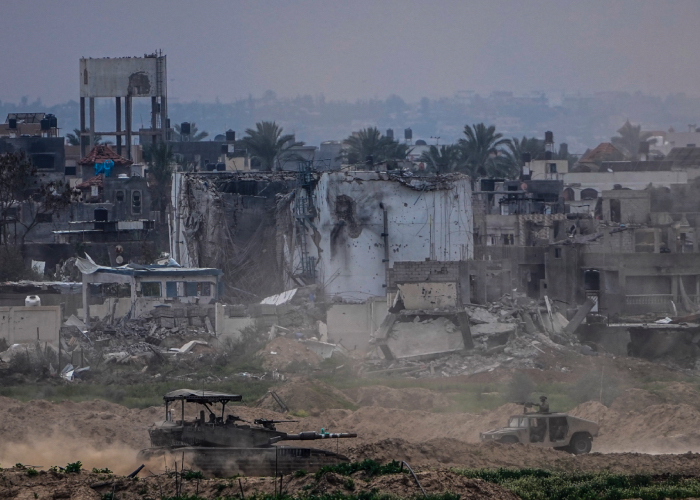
[(225, 445), (547, 430)]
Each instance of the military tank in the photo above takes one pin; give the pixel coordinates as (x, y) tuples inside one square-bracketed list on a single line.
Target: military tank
[(222, 445)]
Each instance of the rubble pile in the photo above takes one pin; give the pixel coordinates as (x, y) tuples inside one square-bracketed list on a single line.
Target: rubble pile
[(509, 333), (139, 341)]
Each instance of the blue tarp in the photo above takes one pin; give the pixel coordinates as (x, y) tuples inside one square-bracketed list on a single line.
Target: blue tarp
[(104, 168)]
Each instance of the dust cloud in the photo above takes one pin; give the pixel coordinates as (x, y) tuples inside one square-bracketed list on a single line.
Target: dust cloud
[(58, 449)]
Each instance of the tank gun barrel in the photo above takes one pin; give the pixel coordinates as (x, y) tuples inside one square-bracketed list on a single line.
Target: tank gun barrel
[(310, 436), (270, 424)]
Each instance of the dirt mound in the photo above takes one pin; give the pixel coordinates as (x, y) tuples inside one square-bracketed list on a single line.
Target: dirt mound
[(454, 453), (85, 485), (635, 400), (405, 399), (674, 393), (308, 395), (95, 432), (605, 417), (280, 353), (661, 428)]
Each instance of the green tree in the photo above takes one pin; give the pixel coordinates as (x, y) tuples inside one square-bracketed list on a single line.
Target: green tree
[(267, 145), (195, 134), (370, 142), (482, 148), (629, 138), (160, 168), (74, 138), (443, 159)]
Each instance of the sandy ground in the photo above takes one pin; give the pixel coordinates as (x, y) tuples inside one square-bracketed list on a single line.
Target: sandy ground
[(635, 432)]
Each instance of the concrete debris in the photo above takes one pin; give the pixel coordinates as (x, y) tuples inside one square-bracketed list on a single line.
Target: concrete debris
[(507, 333), (480, 315), (71, 373), (194, 346), (423, 337), (77, 322), (323, 349), (280, 298)]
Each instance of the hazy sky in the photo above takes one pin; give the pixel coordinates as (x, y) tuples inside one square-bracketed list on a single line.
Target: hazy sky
[(357, 48)]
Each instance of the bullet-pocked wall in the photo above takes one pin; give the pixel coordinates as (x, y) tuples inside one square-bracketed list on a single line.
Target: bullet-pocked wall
[(427, 218)]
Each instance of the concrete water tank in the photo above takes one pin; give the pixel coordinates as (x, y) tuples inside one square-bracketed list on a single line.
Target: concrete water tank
[(32, 301)]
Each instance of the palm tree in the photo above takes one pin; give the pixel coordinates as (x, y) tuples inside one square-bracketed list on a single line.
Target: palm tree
[(629, 139), (370, 142), (74, 138), (160, 167), (513, 157), (267, 144), (443, 159), (195, 134), (481, 148)]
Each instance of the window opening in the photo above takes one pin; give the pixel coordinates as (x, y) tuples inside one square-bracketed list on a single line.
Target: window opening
[(538, 429), (150, 289), (558, 427), (136, 202), (190, 288), (205, 289)]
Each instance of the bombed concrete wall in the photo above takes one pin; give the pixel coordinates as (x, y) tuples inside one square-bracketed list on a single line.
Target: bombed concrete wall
[(234, 222), (426, 218), (425, 271), (626, 206), (30, 324)]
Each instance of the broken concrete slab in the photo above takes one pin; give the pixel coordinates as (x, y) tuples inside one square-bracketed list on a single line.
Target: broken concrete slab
[(480, 315), (323, 349), (493, 334), (192, 346), (579, 316), (410, 340), (491, 329)]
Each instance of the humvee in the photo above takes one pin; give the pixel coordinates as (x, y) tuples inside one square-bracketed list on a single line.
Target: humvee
[(547, 430)]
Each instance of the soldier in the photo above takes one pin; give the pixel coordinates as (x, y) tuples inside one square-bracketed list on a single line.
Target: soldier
[(544, 405)]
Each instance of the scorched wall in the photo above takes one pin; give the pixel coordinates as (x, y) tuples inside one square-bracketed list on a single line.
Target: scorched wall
[(428, 218)]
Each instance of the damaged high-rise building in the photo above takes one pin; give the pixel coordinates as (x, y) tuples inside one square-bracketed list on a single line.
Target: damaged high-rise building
[(340, 230)]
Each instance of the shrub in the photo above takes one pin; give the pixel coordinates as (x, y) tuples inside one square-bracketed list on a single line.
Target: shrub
[(74, 467), (192, 474), (368, 466), (31, 472), (538, 484)]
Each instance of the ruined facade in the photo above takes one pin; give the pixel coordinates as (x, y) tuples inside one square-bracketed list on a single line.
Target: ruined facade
[(360, 223), (340, 230)]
